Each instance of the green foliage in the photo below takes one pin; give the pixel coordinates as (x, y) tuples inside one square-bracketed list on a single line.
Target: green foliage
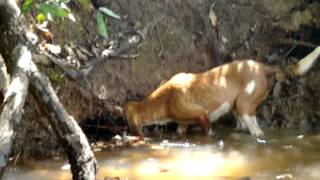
[(53, 9), (103, 11), (55, 76), (40, 18), (101, 25), (109, 12), (57, 8), (26, 6)]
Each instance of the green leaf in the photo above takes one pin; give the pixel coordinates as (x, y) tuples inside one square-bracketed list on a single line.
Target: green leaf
[(53, 9), (109, 12), (101, 25), (26, 6), (40, 18)]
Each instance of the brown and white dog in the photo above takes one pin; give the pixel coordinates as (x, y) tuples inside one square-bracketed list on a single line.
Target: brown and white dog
[(187, 98)]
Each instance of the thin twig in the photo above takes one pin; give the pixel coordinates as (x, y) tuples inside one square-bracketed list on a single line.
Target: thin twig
[(161, 51), (290, 50), (71, 72), (297, 42)]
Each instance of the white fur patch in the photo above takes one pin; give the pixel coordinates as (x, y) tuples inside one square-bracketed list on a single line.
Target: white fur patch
[(250, 87), (252, 124), (223, 109)]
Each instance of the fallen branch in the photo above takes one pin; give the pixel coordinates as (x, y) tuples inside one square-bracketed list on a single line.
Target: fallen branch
[(14, 38), (71, 72), (13, 104), (81, 157)]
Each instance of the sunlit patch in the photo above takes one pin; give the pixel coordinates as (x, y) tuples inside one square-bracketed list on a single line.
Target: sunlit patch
[(190, 164), (253, 66), (250, 63), (148, 168), (166, 143), (223, 82), (15, 89), (220, 81), (182, 78), (250, 87), (66, 167), (239, 66), (256, 68), (239, 157), (225, 69)]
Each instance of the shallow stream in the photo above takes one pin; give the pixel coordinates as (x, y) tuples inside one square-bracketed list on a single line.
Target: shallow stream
[(282, 154)]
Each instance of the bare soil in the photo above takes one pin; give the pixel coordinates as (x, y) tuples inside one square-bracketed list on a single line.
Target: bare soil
[(192, 36)]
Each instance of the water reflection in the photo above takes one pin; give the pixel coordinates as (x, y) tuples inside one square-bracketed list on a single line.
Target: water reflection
[(286, 154)]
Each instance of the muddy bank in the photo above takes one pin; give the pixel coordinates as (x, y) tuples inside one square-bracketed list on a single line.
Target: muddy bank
[(192, 36)]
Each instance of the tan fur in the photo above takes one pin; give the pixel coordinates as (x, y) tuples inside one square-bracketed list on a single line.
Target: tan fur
[(190, 98)]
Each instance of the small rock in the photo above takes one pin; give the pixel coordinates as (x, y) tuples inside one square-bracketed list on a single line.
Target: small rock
[(261, 141), (285, 176), (117, 137), (300, 136)]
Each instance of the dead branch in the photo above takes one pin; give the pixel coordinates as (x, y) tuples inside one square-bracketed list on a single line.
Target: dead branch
[(13, 33), (296, 42), (81, 157), (13, 104), (71, 72)]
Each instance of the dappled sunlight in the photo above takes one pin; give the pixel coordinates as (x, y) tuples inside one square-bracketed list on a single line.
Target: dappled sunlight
[(240, 66), (253, 66), (223, 82), (256, 68), (183, 163), (251, 63), (15, 89), (182, 78), (225, 69), (220, 78), (207, 163), (282, 154)]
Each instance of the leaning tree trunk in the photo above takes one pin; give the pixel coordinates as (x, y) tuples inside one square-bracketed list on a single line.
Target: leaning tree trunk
[(16, 48)]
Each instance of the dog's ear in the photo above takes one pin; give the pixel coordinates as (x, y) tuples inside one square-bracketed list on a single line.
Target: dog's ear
[(117, 110)]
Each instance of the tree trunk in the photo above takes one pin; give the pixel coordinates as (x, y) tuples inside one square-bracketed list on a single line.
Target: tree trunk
[(15, 48)]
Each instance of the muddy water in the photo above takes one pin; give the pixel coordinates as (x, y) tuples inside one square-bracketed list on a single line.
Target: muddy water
[(228, 155)]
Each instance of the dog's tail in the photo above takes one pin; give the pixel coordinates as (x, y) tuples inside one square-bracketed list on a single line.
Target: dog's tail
[(305, 64)]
